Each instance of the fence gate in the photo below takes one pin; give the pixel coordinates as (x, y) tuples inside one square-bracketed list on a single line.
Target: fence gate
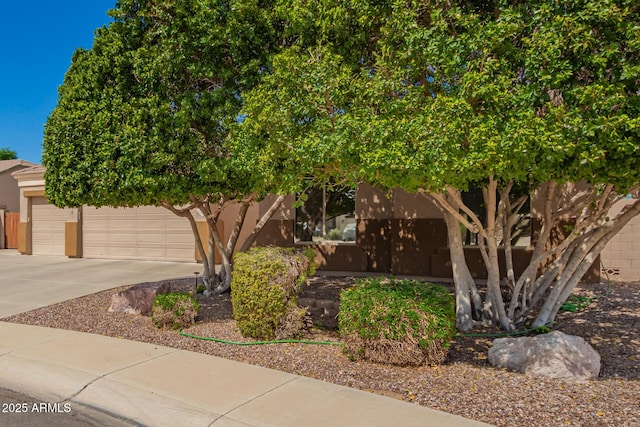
[(11, 221)]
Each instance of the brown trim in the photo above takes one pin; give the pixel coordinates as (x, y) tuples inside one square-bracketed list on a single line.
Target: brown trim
[(34, 193), (73, 239), (24, 238), (337, 257)]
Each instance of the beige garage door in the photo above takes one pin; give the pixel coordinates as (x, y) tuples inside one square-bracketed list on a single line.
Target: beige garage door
[(147, 233), (47, 227)]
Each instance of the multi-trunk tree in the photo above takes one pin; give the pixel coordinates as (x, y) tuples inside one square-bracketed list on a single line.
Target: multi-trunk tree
[(145, 117), (511, 98)]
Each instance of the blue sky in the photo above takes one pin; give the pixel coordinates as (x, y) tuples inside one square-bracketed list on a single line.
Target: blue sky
[(37, 40)]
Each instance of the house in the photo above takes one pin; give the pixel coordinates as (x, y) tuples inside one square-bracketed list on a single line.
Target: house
[(10, 201), (396, 232)]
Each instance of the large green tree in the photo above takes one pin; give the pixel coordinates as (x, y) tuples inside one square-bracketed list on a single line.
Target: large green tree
[(508, 97), (8, 154), (145, 116)]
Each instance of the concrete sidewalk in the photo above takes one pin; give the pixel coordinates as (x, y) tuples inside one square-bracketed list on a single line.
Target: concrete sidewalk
[(160, 386), (151, 385)]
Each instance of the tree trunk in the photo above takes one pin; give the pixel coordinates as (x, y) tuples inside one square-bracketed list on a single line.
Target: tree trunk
[(208, 273), (462, 278), (261, 223), (585, 251), (494, 294), (224, 277)]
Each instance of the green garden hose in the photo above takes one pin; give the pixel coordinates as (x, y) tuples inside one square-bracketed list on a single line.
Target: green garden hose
[(247, 343), (218, 340), (544, 328)]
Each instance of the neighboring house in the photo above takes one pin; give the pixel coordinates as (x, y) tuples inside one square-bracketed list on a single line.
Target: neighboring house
[(395, 232), (9, 201)]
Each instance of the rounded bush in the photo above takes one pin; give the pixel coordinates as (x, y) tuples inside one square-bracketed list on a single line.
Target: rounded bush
[(398, 322), (264, 289), (334, 234), (174, 310)]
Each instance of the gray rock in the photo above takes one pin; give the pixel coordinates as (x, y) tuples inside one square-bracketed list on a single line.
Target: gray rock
[(306, 302), (329, 318), (324, 303), (553, 355), (138, 299)]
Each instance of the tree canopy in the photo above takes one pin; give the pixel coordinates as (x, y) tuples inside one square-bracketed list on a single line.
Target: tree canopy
[(8, 154), (197, 104), (144, 116), (445, 96)]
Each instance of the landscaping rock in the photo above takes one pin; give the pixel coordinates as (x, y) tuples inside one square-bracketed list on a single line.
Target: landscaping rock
[(553, 355), (315, 311), (138, 299), (306, 302), (329, 318), (324, 303)]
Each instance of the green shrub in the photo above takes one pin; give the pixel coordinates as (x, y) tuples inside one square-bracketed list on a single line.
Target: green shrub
[(399, 322), (264, 289), (334, 234), (174, 310)]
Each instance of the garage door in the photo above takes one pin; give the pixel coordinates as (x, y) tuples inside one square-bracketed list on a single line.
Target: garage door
[(147, 233), (47, 227)]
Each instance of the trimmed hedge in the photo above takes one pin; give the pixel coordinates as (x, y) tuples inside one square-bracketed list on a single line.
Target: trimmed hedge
[(264, 289), (398, 322)]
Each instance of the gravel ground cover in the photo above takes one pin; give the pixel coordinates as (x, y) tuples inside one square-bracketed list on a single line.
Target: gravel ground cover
[(465, 384)]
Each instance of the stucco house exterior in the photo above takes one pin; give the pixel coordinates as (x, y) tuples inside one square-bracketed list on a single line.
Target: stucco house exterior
[(9, 200), (395, 233)]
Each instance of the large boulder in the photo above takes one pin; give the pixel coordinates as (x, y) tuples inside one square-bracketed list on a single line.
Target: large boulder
[(138, 299), (553, 355)]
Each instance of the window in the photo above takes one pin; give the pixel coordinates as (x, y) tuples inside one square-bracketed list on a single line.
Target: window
[(521, 231), (326, 213)]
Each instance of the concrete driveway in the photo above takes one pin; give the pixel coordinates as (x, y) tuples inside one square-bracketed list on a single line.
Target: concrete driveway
[(28, 282)]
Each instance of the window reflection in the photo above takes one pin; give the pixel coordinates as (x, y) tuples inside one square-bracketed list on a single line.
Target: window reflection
[(326, 213)]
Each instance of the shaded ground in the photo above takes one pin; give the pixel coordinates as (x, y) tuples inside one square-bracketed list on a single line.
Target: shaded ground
[(465, 385)]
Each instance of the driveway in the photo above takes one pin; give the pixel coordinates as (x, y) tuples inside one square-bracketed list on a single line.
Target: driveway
[(29, 282)]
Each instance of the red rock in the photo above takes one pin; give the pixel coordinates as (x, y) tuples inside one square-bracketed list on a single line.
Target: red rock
[(138, 299)]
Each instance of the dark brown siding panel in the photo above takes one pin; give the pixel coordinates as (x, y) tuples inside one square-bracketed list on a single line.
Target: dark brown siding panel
[(276, 233), (342, 257), (374, 237), (414, 242), (441, 262)]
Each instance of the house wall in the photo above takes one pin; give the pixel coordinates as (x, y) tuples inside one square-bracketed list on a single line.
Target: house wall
[(279, 230), (621, 256), (397, 233), (9, 192)]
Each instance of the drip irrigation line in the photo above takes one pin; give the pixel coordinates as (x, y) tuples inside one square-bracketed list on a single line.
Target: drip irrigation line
[(219, 340)]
